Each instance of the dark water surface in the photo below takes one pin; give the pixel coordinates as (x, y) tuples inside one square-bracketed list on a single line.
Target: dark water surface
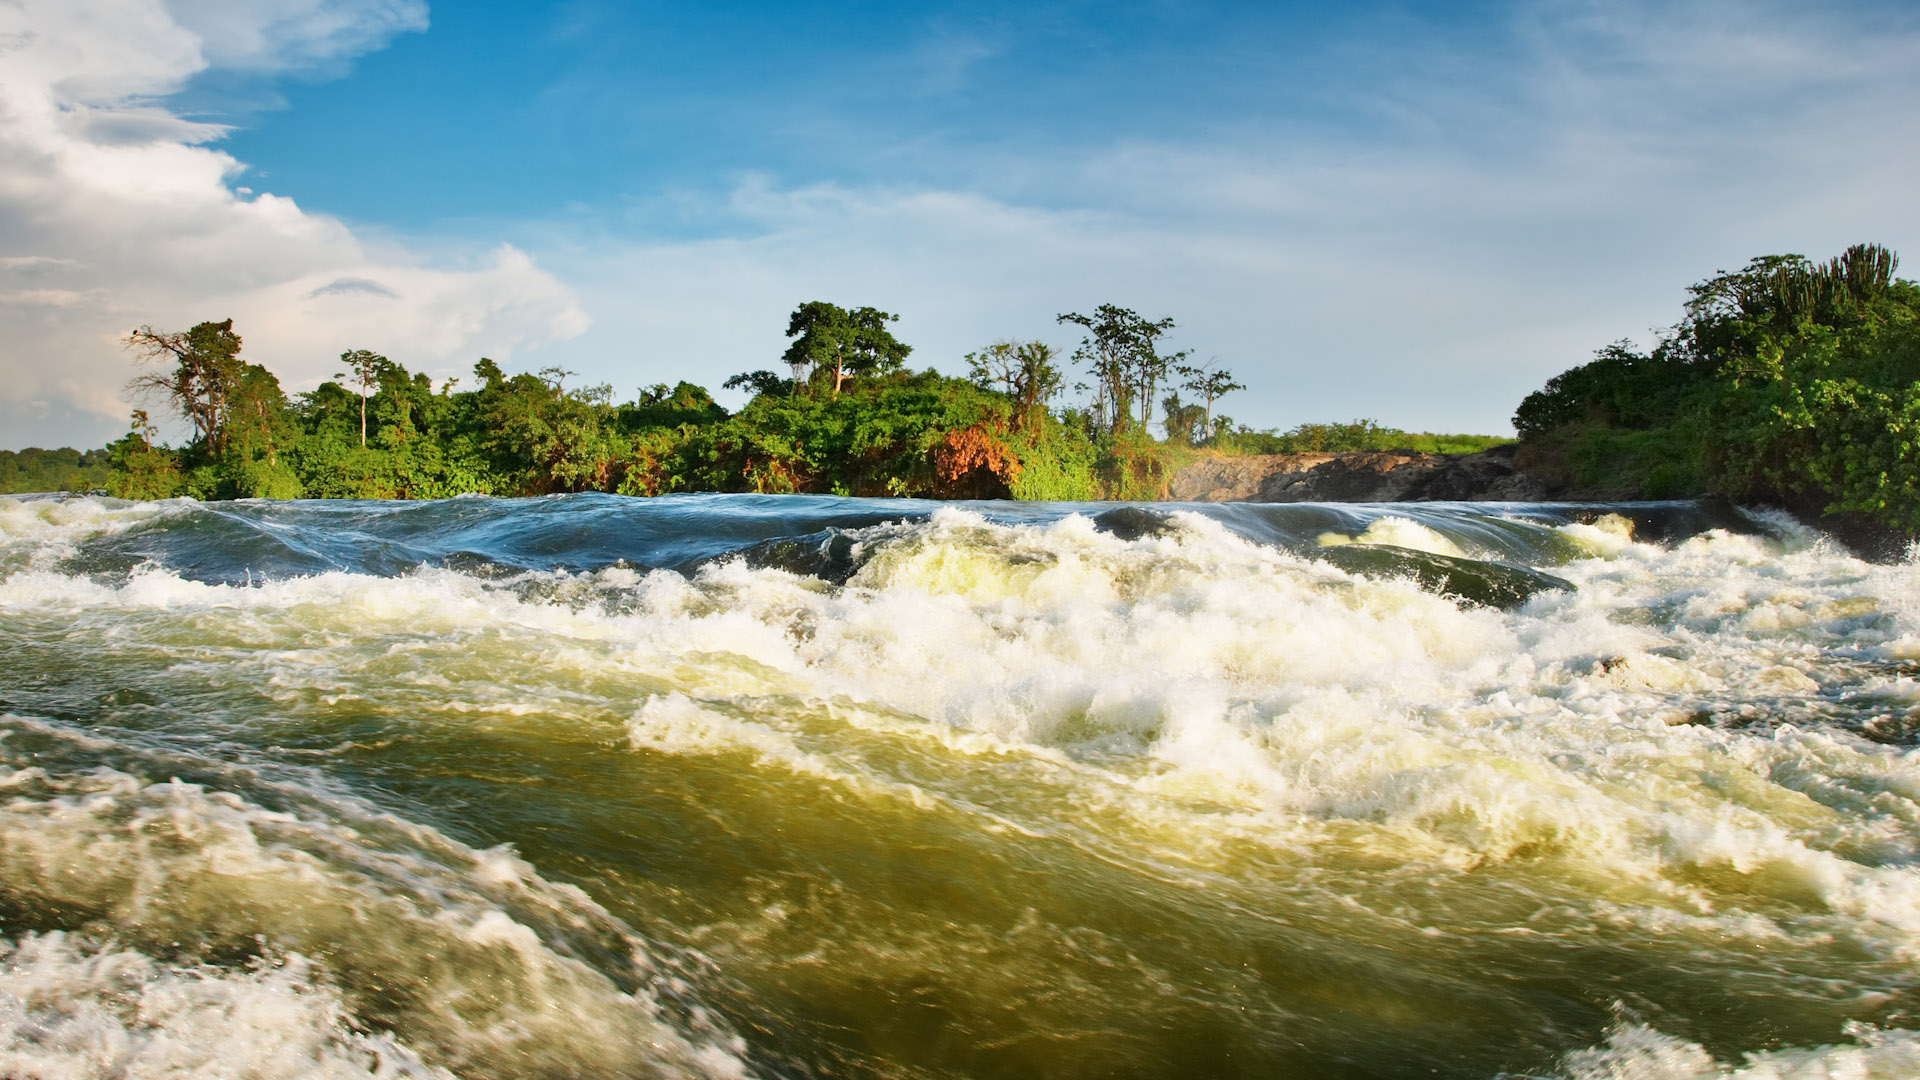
[(795, 786)]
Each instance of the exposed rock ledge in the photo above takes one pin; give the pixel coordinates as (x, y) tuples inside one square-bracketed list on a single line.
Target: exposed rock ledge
[(1362, 476)]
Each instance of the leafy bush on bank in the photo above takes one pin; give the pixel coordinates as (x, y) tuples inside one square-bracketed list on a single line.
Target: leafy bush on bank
[(1787, 381)]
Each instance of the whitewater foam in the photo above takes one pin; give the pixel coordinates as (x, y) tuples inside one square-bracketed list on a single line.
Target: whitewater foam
[(371, 921), (1695, 752)]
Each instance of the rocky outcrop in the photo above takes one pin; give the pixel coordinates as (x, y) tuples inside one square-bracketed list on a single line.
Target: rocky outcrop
[(1361, 476)]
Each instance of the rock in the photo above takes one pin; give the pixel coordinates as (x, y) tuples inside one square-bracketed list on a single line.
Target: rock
[(1235, 479), (1360, 476), (830, 555), (1133, 522)]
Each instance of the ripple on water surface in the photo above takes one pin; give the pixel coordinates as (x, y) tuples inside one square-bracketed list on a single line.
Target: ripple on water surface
[(561, 787)]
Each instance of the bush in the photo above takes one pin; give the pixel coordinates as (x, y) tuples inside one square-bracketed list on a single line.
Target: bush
[(1787, 381)]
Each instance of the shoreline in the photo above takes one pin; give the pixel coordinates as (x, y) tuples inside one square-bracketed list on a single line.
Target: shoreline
[(1374, 476)]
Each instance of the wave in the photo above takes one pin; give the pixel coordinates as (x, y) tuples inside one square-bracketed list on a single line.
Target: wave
[(242, 541), (1164, 755), (167, 927), (1641, 1052)]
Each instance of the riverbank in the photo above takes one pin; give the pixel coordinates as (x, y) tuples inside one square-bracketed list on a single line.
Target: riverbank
[(1357, 476), (1496, 475)]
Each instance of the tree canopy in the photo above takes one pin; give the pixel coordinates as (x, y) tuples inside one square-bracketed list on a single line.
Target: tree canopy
[(1788, 381), (835, 342), (1121, 352), (850, 419)]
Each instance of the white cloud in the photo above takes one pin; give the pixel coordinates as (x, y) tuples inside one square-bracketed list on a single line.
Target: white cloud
[(1489, 229), (1476, 226), (114, 213), (277, 34)]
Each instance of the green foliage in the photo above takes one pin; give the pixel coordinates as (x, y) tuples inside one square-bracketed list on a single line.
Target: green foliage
[(1121, 352), (388, 433), (878, 440), (659, 406), (141, 470), (1132, 466), (1056, 463), (1186, 425), (1787, 381), (835, 343), (1351, 436), (1610, 463), (1445, 443), (1618, 388), (65, 469)]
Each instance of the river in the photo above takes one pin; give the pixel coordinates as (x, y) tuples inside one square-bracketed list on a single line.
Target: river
[(727, 786)]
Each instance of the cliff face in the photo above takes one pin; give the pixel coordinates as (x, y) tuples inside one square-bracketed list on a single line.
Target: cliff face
[(1362, 476)]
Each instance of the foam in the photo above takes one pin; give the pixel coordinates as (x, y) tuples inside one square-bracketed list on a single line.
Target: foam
[(1398, 532), (439, 940), (1667, 748), (39, 533), (72, 1009), (1639, 1052)]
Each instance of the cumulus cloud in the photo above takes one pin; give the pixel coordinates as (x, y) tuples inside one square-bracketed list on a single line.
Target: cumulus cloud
[(1424, 243), (115, 212), (1473, 227)]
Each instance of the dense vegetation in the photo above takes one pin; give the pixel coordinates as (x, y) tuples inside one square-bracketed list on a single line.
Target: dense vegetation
[(848, 417), (1787, 381), (66, 469), (1357, 435)]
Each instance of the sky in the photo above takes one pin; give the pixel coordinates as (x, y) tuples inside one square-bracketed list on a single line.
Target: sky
[(1413, 213)]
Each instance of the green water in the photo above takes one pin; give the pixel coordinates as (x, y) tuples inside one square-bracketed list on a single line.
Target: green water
[(1021, 798)]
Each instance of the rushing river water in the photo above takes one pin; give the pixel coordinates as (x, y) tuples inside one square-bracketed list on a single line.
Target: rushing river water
[(807, 787)]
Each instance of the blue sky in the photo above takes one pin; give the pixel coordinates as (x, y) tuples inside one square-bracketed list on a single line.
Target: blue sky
[(1410, 212), (577, 107)]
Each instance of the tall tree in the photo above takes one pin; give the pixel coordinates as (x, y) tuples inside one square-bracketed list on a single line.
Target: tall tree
[(365, 367), (257, 423), (206, 369), (1183, 420), (1211, 384), (1121, 350), (1024, 370), (759, 382), (830, 338)]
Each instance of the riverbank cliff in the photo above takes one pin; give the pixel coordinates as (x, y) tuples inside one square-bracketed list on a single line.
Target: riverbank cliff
[(1357, 476)]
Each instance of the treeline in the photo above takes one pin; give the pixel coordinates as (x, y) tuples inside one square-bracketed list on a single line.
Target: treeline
[(1788, 381), (1356, 435), (65, 469), (848, 417)]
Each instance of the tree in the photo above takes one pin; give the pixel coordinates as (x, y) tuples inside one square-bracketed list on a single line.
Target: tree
[(365, 367), (257, 423), (760, 382), (206, 367), (829, 338), (1791, 381), (1211, 384), (140, 470), (1121, 351), (1024, 370), (1780, 290), (1183, 420)]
